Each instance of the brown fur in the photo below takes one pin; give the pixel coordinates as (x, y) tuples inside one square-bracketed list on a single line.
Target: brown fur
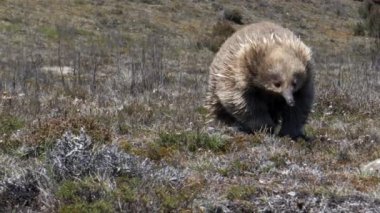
[(262, 75)]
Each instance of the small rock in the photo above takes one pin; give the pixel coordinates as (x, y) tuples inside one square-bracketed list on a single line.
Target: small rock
[(372, 167), (292, 194)]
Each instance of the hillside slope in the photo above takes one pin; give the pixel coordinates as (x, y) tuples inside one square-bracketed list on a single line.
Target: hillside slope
[(102, 110)]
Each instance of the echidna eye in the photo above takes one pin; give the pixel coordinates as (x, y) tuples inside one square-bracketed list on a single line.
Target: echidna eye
[(294, 83), (277, 84)]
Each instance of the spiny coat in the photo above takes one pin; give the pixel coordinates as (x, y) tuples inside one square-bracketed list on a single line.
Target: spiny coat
[(260, 76)]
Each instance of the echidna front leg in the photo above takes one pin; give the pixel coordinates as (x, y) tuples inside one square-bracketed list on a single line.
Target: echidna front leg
[(257, 118), (253, 117), (294, 118)]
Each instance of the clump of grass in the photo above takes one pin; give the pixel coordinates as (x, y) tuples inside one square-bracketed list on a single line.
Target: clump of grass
[(324, 191), (241, 192), (237, 167), (344, 156), (153, 2), (193, 141), (359, 29), (97, 207), (242, 141), (365, 183), (11, 27), (87, 195), (127, 189), (125, 145), (169, 142), (123, 128), (49, 32), (172, 199), (135, 110), (79, 2), (155, 151), (233, 15), (46, 132), (8, 125), (202, 111), (279, 159)]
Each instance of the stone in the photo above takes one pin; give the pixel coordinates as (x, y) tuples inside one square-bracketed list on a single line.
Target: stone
[(372, 167)]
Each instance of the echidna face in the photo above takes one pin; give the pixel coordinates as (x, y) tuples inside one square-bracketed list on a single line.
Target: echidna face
[(284, 74)]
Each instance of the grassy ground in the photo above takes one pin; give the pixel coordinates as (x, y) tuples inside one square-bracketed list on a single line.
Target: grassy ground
[(102, 110)]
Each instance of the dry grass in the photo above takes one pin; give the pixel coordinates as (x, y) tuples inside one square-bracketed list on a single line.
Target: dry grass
[(134, 75)]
